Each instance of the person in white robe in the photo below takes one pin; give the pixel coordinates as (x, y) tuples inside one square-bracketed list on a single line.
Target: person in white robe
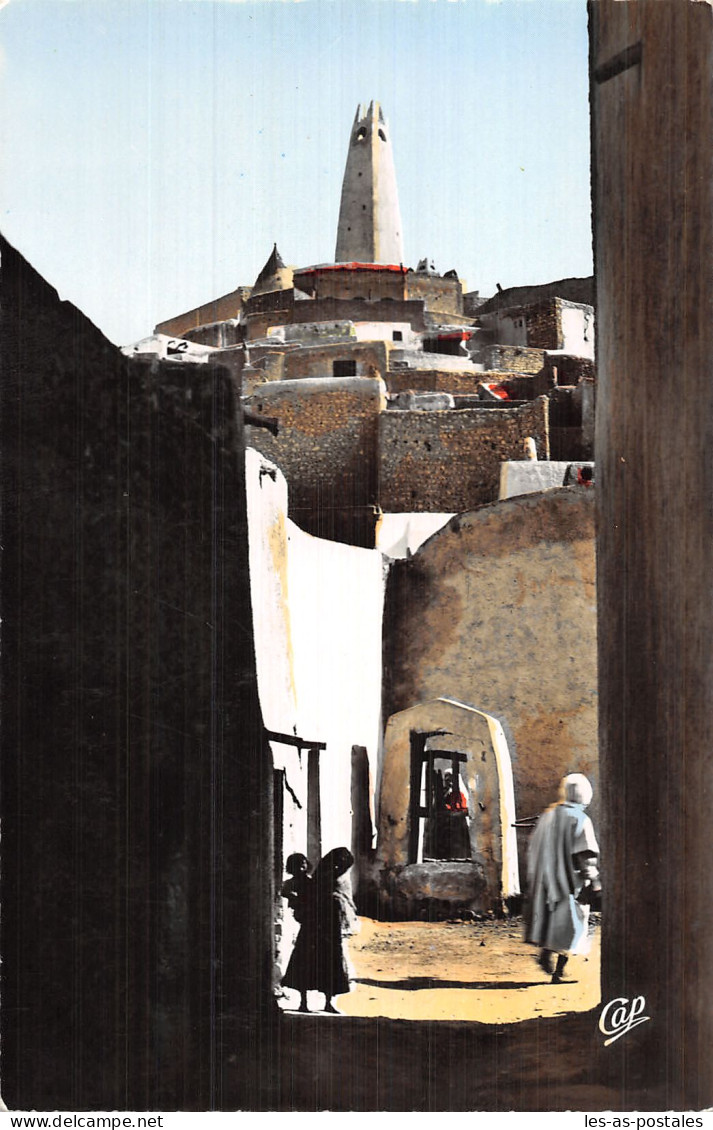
[(563, 877)]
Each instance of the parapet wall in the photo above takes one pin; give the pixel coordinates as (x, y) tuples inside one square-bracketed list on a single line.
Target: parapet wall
[(449, 461), (220, 310), (386, 309), (435, 380), (525, 386), (441, 295), (221, 334), (513, 358), (366, 281)]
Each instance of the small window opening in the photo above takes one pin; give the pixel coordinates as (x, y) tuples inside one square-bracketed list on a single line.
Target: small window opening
[(382, 135), (344, 368), (439, 813), (360, 134), (397, 335)]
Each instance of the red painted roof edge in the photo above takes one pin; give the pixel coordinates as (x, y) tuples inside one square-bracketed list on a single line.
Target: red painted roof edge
[(398, 268)]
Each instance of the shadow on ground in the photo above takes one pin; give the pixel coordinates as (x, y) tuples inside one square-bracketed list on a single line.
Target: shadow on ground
[(412, 983), (452, 1017), (341, 1063)]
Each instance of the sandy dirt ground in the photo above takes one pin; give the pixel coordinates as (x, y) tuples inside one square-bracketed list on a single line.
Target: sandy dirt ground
[(480, 971), (455, 1016)]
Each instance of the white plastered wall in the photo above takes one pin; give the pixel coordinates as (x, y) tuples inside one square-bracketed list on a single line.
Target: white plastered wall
[(317, 610), (578, 331), (336, 608), (400, 535)]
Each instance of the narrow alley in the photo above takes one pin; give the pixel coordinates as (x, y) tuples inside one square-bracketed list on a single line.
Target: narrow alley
[(480, 971)]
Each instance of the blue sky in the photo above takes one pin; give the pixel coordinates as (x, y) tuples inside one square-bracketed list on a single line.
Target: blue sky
[(153, 150)]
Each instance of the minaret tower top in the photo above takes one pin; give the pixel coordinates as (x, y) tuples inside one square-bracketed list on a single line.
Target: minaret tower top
[(369, 228)]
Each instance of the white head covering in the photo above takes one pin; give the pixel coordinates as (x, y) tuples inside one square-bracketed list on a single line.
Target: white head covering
[(576, 789)]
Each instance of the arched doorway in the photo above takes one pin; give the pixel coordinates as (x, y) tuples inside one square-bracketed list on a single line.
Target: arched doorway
[(446, 839)]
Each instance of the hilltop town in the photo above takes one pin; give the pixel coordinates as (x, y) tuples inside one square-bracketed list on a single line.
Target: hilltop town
[(422, 581), (372, 342)]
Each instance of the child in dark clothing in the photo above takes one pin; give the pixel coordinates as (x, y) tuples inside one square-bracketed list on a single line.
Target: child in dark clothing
[(296, 889), (319, 959)]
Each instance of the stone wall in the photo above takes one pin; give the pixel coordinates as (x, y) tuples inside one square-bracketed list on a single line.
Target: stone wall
[(556, 323), (265, 363), (568, 369), (579, 291), (345, 457), (222, 335), (567, 439), (435, 380), (367, 281), (537, 326), (220, 310), (497, 610), (544, 324), (441, 295), (427, 358), (513, 358), (450, 460), (136, 789), (271, 308), (327, 450), (372, 283), (359, 310), (472, 301), (525, 386), (437, 319), (370, 359)]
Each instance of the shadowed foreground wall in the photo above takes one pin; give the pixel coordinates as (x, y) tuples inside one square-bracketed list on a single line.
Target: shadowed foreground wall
[(135, 787), (652, 99)]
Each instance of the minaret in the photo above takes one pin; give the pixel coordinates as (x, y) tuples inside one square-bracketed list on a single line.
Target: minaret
[(369, 228)]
